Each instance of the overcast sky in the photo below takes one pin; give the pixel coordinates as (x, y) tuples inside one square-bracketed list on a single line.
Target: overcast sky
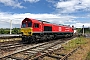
[(68, 12)]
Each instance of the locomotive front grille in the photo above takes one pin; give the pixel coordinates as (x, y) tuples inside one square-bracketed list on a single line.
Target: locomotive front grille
[(26, 31)]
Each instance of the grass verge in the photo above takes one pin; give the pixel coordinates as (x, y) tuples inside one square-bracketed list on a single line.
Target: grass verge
[(75, 43), (88, 56)]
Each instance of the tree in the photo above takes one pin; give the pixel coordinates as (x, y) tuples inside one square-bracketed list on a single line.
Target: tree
[(2, 31), (15, 31)]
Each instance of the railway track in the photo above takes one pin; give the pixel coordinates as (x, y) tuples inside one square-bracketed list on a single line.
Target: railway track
[(10, 46), (9, 37), (33, 52), (15, 50), (56, 55)]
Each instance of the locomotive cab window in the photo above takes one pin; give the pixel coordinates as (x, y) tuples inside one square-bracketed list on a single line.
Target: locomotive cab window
[(29, 24), (36, 25), (23, 25)]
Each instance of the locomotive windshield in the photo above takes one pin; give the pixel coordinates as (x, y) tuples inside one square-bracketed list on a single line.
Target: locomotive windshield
[(29, 24), (23, 25)]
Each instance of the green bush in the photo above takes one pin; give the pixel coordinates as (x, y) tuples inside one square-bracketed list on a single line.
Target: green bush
[(7, 31)]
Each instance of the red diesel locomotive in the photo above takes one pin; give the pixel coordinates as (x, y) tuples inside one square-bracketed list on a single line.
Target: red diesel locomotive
[(33, 30)]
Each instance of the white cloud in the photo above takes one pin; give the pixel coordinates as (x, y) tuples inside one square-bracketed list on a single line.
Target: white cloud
[(31, 1), (64, 6), (17, 18), (79, 25), (12, 3), (73, 5), (51, 1), (53, 18)]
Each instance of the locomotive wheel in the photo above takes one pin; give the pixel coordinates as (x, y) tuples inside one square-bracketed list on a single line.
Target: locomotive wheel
[(25, 40), (32, 39)]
